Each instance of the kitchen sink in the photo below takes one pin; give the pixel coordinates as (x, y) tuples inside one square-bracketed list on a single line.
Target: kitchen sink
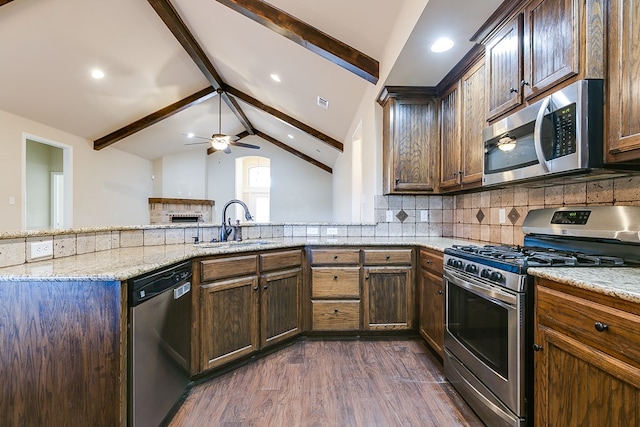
[(232, 244)]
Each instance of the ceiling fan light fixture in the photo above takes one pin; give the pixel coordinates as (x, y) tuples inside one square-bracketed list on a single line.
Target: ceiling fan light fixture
[(220, 142)]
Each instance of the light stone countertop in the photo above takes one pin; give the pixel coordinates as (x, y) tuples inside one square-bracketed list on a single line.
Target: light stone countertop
[(620, 282), (124, 263)]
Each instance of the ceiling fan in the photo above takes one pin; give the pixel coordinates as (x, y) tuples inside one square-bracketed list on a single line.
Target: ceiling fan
[(220, 141)]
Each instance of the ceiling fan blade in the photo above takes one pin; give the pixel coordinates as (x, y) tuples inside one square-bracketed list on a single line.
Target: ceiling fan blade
[(245, 145), (195, 136), (196, 143)]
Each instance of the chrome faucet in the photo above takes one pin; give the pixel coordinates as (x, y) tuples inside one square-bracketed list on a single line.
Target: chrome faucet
[(226, 230)]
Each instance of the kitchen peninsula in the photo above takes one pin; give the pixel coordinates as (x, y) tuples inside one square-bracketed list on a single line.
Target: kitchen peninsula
[(65, 319)]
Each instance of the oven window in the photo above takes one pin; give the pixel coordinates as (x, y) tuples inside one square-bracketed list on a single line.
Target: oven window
[(481, 326), (521, 153)]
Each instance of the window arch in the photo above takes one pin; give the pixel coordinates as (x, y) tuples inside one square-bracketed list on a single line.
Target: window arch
[(253, 185)]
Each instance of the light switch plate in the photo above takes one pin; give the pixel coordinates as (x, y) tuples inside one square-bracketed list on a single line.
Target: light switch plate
[(502, 213)]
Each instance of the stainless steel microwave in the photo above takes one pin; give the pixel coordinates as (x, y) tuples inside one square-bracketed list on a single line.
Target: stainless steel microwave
[(559, 135)]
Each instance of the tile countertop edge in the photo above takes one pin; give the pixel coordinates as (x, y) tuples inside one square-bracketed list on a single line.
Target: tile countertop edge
[(619, 282)]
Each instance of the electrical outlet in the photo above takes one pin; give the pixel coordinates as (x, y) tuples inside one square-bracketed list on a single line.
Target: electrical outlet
[(389, 216), (424, 215), (41, 249), (502, 213), (332, 231)]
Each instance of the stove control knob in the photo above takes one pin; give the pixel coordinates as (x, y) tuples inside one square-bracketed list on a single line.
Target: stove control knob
[(496, 276), (471, 268), (486, 273)]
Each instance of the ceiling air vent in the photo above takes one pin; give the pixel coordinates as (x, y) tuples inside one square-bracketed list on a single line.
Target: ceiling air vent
[(323, 103)]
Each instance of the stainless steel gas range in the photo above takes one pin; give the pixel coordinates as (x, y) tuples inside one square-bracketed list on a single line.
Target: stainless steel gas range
[(489, 301)]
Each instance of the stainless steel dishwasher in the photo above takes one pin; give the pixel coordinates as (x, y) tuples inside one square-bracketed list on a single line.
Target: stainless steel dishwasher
[(159, 342)]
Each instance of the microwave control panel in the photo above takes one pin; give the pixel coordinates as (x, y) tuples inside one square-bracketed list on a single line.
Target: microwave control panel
[(563, 121)]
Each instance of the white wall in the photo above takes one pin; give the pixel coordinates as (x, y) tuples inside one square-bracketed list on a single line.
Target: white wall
[(184, 175), (110, 187), (370, 114), (300, 191)]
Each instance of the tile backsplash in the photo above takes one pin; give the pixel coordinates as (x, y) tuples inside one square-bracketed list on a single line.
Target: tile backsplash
[(493, 216)]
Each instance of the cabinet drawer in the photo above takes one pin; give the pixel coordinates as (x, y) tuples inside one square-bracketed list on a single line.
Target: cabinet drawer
[(577, 318), (215, 269), (387, 256), (332, 282), (431, 260), (335, 256), (335, 315), (280, 260)]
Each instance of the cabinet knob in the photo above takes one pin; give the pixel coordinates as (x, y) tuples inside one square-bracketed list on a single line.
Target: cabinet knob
[(513, 90), (601, 327), (335, 277), (388, 257), (537, 347), (265, 287), (335, 257), (428, 261), (440, 292), (524, 83), (256, 288), (335, 310)]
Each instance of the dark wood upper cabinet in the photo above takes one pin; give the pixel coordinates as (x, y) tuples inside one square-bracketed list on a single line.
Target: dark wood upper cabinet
[(410, 141), (623, 86), (450, 137), (504, 64), (551, 44)]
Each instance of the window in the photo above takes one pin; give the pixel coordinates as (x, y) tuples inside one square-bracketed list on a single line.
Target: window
[(253, 186)]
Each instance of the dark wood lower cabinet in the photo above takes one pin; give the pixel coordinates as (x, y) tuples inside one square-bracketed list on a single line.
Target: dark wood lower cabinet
[(587, 363), (281, 315), (228, 320), (63, 353), (388, 298)]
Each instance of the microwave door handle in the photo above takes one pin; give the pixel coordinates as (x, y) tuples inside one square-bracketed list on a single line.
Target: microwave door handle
[(537, 134)]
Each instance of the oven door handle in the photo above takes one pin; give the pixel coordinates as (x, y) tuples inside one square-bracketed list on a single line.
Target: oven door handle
[(537, 134), (488, 292)]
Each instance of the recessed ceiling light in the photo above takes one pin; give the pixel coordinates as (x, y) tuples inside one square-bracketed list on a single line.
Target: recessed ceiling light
[(97, 74), (190, 135), (276, 78), (290, 136), (443, 44)]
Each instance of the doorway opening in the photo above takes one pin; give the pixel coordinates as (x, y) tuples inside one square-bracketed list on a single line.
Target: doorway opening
[(47, 188), (253, 186)]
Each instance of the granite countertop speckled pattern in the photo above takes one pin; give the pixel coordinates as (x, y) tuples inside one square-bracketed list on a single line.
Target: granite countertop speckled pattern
[(125, 263), (620, 282)]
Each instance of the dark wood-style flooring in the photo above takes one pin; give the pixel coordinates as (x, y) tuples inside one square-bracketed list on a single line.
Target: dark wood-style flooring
[(331, 383)]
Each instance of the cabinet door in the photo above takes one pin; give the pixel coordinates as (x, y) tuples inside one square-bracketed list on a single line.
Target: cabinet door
[(388, 298), (551, 50), (411, 142), (577, 385), (504, 61), (431, 306), (450, 138), (473, 118), (280, 308), (624, 85), (229, 320)]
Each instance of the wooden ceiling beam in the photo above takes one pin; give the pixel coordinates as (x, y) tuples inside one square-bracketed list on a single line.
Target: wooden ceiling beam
[(3, 2), (308, 37), (178, 28), (153, 118), (285, 118), (293, 151)]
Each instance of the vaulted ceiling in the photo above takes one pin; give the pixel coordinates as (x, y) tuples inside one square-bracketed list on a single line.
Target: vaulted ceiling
[(165, 59)]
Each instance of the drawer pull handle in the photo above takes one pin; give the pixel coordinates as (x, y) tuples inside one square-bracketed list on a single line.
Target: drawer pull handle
[(428, 260), (335, 277), (440, 292), (256, 288), (601, 327), (265, 287), (537, 347)]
